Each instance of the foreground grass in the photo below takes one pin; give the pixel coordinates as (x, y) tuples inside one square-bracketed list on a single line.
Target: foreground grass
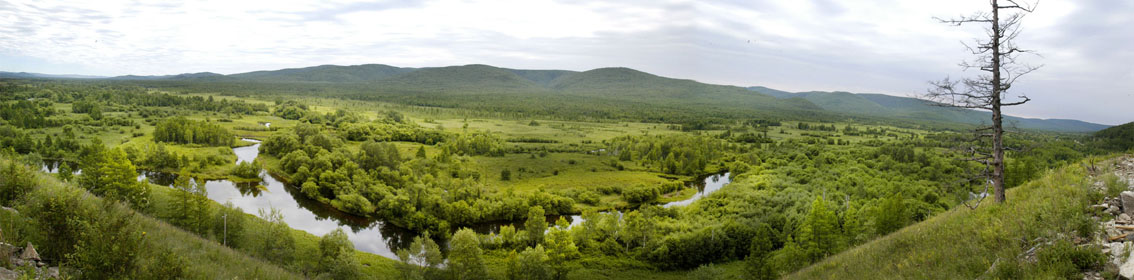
[(965, 244)]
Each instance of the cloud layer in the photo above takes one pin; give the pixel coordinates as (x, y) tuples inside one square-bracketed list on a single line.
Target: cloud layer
[(891, 47)]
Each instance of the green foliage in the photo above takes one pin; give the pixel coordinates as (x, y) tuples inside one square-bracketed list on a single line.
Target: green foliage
[(672, 154), (274, 242), (421, 259), (108, 245), (561, 250), (191, 207), (535, 225), (15, 183), (1117, 138), (465, 256), (505, 175), (641, 194), (229, 225), (706, 272), (246, 170), (819, 235), (185, 131), (1046, 209), (336, 256), (107, 173), (531, 264), (756, 264), (891, 215)]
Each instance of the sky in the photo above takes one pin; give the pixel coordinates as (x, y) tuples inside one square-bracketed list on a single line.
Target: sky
[(867, 46)]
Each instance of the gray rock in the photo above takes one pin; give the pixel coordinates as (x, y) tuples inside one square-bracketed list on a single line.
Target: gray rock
[(1127, 202), (8, 274), (1113, 210), (30, 253), (1126, 270), (1124, 219)]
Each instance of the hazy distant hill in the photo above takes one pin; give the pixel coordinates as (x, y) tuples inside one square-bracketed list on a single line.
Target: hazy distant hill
[(27, 75), (326, 73), (185, 76), (889, 106), (599, 93)]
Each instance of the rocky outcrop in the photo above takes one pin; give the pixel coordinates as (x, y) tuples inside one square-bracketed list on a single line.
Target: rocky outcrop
[(1117, 223), (24, 258)]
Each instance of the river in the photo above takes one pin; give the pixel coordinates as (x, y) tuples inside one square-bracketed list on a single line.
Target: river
[(367, 234)]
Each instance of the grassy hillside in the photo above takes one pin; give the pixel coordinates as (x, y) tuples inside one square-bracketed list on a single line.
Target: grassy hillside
[(989, 242), (162, 251)]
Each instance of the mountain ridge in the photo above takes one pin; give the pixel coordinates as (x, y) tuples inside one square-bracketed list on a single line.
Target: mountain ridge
[(617, 84), (883, 105)]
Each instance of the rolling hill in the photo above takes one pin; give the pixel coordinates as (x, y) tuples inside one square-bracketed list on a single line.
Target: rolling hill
[(599, 93), (888, 106)]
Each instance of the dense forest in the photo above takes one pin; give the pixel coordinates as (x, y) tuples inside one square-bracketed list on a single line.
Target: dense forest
[(803, 186)]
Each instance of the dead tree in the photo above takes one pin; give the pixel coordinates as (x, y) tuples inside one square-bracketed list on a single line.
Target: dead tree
[(996, 58)]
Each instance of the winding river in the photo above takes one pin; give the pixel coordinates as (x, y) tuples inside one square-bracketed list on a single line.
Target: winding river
[(367, 234)]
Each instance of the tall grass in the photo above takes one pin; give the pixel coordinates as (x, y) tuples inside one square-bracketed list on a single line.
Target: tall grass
[(986, 242)]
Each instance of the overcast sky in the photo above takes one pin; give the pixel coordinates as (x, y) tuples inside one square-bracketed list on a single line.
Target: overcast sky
[(892, 47)]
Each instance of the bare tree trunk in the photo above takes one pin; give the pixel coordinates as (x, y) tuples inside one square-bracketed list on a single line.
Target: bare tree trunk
[(997, 118), (997, 58)]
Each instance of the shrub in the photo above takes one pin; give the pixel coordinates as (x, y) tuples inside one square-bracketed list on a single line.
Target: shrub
[(246, 170)]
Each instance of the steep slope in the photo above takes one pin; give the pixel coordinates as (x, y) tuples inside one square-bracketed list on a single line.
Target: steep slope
[(990, 242)]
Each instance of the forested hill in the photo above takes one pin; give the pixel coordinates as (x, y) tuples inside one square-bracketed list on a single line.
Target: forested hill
[(604, 93), (889, 106)]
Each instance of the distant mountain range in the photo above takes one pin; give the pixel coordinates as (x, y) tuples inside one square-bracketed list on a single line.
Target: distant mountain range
[(882, 105), (26, 75), (480, 85)]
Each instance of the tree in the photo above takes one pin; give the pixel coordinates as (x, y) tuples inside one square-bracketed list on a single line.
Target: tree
[(561, 249), (465, 257), (190, 204), (535, 225), (276, 242), (422, 258), (819, 234), (756, 265), (337, 256), (531, 265), (109, 174), (228, 225), (998, 57)]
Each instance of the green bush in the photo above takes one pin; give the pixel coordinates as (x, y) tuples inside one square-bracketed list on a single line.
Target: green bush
[(246, 170), (109, 244), (15, 183), (1067, 260)]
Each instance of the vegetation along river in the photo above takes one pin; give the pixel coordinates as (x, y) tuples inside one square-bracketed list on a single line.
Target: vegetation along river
[(367, 234)]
